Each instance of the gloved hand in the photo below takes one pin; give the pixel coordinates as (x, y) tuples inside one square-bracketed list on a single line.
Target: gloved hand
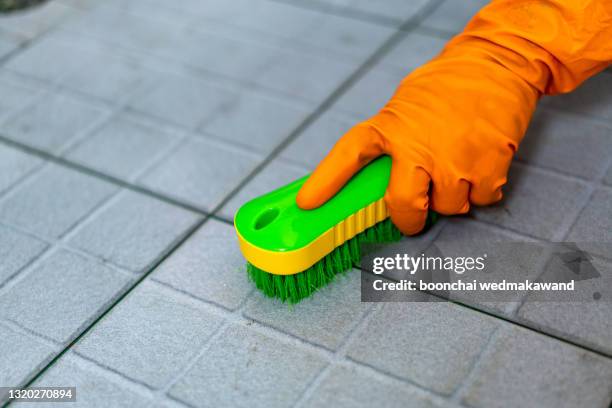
[(454, 124)]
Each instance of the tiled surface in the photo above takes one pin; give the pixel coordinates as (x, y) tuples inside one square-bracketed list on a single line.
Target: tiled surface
[(590, 99), (61, 295), (14, 165), (537, 203), (179, 103), (310, 147), (395, 10), (8, 44), (592, 228), (249, 370), (52, 122), (123, 147), (16, 92), (16, 251), (452, 16), (586, 321), (567, 144), (508, 257), (326, 320), (31, 23), (196, 172), (53, 200), (208, 266), (347, 388), (170, 328), (523, 368), (93, 389), (423, 353), (22, 356), (133, 230)]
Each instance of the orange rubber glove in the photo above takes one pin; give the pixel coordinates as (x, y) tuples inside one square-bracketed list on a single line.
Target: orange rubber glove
[(454, 124)]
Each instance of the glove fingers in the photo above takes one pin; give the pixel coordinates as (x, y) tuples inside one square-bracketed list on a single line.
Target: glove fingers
[(355, 149), (486, 193), (450, 198), (406, 196)]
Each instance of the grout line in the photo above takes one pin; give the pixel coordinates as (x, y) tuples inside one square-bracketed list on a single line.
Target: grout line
[(365, 16), (112, 370), (116, 378), (94, 173), (18, 328), (337, 356), (434, 32), (486, 351)]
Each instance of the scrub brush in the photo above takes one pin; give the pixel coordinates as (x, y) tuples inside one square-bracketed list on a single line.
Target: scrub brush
[(291, 253)]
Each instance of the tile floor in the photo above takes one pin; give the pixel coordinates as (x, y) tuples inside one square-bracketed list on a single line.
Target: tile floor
[(132, 130)]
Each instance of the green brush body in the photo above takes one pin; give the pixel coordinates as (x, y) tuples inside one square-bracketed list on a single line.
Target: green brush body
[(291, 253)]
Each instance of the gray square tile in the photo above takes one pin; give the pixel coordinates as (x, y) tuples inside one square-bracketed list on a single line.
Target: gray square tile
[(123, 147), (276, 174), (16, 251), (257, 121), (134, 230), (370, 94), (184, 101), (432, 344), (54, 200), (535, 203), (52, 122), (14, 165), (218, 49), (452, 15), (592, 229), (198, 172), (345, 387), (527, 369), (125, 30), (92, 390), (313, 144), (8, 44), (243, 368), (21, 358), (288, 26), (49, 59), (347, 37), (505, 258), (591, 98), (608, 177), (107, 74), (16, 93), (411, 52), (568, 145), (62, 296), (150, 337), (398, 9), (305, 76), (326, 318), (579, 317), (209, 266)]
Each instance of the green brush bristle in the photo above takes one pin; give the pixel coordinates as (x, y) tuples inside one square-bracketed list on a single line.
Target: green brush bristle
[(294, 288)]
